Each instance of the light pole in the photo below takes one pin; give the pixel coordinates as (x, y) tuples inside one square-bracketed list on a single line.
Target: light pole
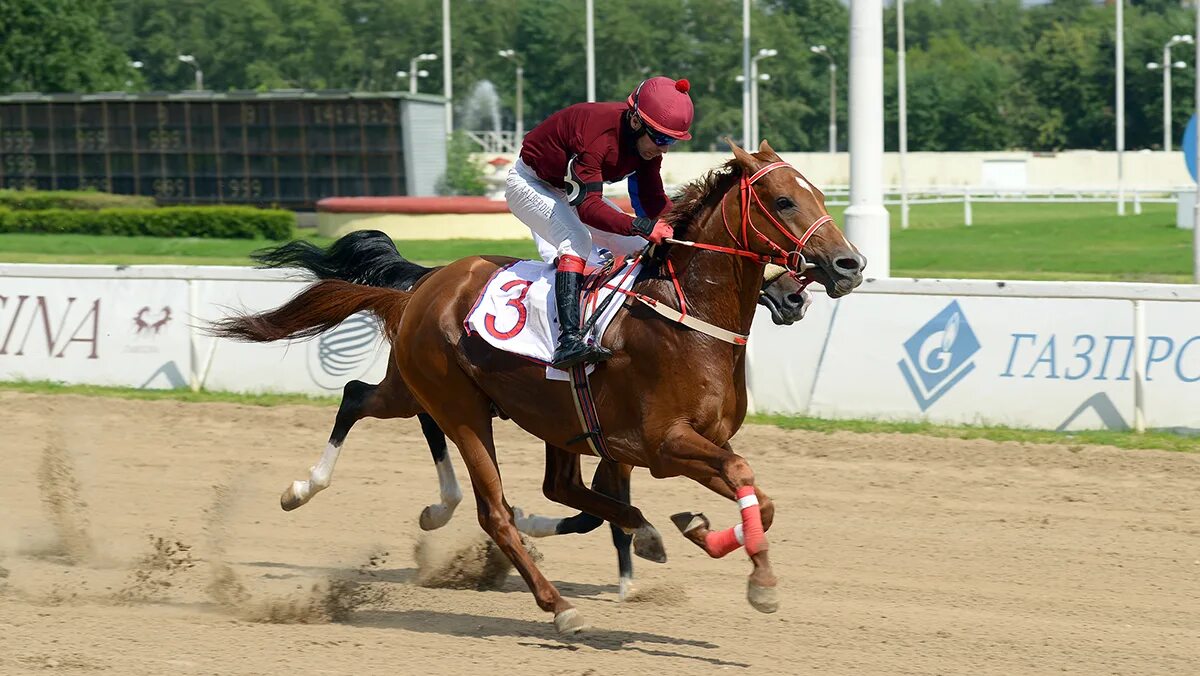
[(1120, 66), (824, 51), (591, 51), (412, 68), (520, 126), (902, 100), (401, 74), (755, 78), (746, 79), (758, 77), (1166, 67), (191, 61), (447, 71)]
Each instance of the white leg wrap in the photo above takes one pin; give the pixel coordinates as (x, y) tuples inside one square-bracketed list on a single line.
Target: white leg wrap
[(448, 484), (321, 474), (436, 516), (534, 525)]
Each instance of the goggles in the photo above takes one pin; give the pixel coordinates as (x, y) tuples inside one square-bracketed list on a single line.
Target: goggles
[(660, 139)]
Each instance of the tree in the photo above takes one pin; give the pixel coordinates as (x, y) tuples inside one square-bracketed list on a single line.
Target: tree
[(58, 46)]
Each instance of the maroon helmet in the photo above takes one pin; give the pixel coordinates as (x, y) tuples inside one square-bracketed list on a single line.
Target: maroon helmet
[(664, 105)]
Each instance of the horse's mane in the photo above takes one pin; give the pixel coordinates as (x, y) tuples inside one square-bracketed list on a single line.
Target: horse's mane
[(700, 195), (690, 204)]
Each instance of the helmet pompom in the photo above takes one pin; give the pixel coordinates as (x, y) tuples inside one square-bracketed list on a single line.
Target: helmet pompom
[(683, 85)]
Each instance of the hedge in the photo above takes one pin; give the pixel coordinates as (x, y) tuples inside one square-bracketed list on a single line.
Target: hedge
[(225, 222), (37, 200)]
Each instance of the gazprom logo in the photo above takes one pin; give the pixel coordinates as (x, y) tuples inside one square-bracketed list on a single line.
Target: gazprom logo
[(939, 355)]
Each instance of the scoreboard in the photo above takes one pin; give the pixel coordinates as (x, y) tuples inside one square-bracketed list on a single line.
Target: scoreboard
[(286, 148)]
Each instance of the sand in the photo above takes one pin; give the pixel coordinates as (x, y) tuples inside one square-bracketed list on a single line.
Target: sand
[(146, 538)]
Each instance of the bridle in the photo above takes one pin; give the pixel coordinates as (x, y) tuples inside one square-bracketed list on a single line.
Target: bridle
[(794, 261)]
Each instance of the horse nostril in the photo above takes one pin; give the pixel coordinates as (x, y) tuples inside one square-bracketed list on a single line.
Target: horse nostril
[(849, 264), (795, 298)]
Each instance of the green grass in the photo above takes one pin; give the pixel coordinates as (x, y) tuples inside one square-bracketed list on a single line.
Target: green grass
[(117, 250), (1074, 440), (1007, 241), (1043, 241), (1161, 439)]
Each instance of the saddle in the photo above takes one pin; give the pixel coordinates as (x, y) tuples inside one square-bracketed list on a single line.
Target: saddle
[(515, 312)]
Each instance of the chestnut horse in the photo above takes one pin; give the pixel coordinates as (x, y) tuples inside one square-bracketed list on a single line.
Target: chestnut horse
[(669, 399), (370, 257)]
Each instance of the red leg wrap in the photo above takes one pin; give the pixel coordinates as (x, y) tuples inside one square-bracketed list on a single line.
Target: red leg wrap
[(756, 540), (720, 543)]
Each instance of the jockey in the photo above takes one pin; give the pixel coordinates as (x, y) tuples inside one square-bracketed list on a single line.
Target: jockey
[(556, 188)]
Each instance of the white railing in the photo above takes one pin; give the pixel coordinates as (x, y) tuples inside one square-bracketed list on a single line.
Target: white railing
[(494, 141), (968, 195), (839, 196)]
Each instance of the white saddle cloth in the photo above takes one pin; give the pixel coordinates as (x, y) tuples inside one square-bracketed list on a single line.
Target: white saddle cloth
[(516, 311)]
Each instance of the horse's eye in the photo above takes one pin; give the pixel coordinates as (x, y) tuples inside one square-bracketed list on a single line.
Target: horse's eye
[(782, 203)]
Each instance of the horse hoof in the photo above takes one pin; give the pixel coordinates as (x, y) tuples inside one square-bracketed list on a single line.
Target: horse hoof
[(291, 497), (648, 544), (689, 521), (763, 599), (433, 518), (569, 621)]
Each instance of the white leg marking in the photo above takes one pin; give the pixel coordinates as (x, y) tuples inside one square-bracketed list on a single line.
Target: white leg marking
[(625, 588), (534, 525), (436, 516), (320, 476)]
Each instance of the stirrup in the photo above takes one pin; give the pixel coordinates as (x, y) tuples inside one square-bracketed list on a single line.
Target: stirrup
[(574, 351)]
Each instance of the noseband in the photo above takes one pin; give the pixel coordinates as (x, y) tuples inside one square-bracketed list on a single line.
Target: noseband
[(794, 260)]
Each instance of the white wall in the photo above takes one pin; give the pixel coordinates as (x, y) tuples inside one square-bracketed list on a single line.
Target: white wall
[(954, 351), (1068, 169)]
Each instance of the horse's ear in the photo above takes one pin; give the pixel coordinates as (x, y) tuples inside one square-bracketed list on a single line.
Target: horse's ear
[(766, 150), (749, 162)]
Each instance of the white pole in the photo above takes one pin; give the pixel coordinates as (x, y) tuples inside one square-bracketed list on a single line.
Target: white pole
[(746, 73), (447, 73), (1196, 207), (752, 144), (1139, 367), (591, 51), (412, 76), (832, 106), (1167, 97), (1120, 66), (902, 89), (520, 107), (866, 217)]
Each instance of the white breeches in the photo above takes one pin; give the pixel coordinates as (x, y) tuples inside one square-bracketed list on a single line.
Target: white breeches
[(555, 224)]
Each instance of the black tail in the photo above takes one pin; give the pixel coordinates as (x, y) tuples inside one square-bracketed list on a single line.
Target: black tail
[(367, 257)]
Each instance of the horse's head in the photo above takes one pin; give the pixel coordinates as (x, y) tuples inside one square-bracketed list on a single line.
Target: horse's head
[(774, 211), (784, 295)]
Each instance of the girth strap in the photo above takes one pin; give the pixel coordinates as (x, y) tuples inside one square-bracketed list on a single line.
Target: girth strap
[(585, 408)]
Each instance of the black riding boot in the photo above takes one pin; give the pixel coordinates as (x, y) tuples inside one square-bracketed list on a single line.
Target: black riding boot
[(572, 348)]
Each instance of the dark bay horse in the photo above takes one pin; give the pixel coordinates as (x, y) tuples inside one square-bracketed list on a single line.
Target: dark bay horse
[(670, 398)]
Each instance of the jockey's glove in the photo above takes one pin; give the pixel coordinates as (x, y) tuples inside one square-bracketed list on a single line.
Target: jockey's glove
[(654, 231)]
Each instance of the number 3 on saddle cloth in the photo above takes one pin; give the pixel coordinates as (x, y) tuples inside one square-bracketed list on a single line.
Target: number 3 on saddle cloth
[(516, 313)]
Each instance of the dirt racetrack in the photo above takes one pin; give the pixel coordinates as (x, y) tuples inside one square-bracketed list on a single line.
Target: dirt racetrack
[(146, 538)]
